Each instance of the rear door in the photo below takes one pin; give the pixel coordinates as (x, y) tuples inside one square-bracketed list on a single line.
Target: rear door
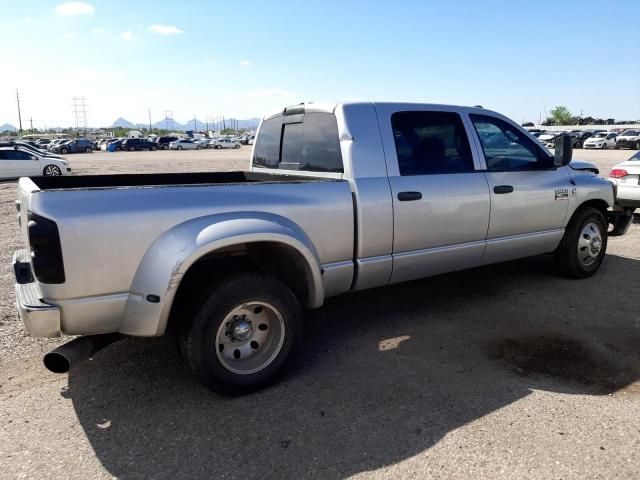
[(440, 198), (529, 196)]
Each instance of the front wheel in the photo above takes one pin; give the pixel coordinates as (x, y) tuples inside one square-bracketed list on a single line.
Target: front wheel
[(88, 150), (604, 146), (64, 151), (236, 147), (584, 244), (242, 333), (51, 171), (179, 147)]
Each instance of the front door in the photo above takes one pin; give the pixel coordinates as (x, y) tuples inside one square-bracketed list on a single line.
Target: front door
[(529, 196), (440, 200), (19, 163)]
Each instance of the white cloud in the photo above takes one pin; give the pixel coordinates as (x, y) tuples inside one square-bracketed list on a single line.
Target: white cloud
[(75, 8), (270, 93), (165, 29), (245, 63), (98, 30), (126, 36), (69, 36)]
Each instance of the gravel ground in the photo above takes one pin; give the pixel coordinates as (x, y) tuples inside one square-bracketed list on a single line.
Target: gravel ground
[(504, 371)]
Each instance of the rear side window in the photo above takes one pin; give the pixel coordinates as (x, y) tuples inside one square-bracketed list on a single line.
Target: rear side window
[(306, 142), (430, 143)]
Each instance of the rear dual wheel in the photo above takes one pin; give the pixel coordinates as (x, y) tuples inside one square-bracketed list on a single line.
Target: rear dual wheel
[(241, 333)]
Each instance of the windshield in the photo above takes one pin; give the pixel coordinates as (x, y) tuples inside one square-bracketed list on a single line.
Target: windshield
[(631, 133), (600, 135)]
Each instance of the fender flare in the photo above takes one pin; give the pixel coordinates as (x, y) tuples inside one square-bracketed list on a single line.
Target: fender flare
[(171, 255)]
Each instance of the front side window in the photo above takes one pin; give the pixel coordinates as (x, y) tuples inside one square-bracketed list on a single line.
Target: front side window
[(17, 155), (506, 148), (429, 143)]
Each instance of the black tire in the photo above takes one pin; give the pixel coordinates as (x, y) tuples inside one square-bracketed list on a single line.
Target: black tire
[(621, 225), (604, 146), (198, 337), (64, 151), (165, 146), (179, 147), (566, 255), (236, 147), (131, 149), (88, 150), (637, 145)]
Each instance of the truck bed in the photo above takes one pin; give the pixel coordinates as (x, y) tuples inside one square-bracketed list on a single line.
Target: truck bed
[(165, 179)]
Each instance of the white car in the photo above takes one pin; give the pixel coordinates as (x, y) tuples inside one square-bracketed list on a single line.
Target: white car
[(626, 178), (602, 140), (202, 142), (19, 162), (183, 144), (225, 143)]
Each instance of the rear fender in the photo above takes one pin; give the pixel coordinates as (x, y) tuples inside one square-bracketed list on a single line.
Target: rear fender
[(170, 256)]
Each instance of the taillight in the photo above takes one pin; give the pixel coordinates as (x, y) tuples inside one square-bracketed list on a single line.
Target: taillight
[(46, 252), (618, 173)]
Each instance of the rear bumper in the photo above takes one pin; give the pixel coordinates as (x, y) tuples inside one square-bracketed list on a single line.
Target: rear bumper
[(627, 195), (39, 318)]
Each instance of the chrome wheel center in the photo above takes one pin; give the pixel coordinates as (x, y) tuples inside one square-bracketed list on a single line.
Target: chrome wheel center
[(589, 244), (250, 337), (241, 330)]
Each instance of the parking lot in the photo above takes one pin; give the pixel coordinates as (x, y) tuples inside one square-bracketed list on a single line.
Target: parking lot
[(506, 371)]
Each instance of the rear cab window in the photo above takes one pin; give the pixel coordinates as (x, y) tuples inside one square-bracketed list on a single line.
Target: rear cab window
[(303, 142)]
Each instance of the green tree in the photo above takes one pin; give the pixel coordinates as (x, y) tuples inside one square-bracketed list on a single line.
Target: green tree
[(561, 116)]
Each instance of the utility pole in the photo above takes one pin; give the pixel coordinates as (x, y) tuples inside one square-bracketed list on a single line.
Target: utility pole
[(194, 123), (19, 114), (150, 130), (168, 115), (31, 121)]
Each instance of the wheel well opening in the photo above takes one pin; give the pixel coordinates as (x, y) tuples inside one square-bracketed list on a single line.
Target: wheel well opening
[(597, 204), (269, 258)]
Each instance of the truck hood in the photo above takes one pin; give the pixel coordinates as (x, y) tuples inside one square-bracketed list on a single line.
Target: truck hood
[(583, 165)]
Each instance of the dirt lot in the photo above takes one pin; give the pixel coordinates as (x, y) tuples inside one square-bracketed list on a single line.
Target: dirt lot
[(505, 371)]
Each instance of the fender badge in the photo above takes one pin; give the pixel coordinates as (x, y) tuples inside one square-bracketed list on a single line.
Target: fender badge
[(562, 193)]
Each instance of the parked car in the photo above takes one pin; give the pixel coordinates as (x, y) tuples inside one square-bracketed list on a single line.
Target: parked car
[(183, 144), (626, 178), (19, 162), (56, 142), (602, 140), (201, 143), (136, 144), (630, 138), (74, 146), (579, 138), (229, 259), (43, 143), (225, 143), (115, 145), (164, 141), (548, 138)]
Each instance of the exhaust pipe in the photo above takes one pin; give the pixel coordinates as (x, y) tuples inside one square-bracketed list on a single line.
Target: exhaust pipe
[(78, 350)]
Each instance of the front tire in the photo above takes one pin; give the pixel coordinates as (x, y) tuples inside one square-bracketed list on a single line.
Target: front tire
[(64, 151), (88, 150), (51, 171), (179, 147), (584, 244), (242, 333)]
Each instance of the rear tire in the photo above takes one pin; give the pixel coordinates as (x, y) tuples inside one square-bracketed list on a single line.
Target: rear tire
[(64, 151), (88, 150), (179, 147), (241, 334), (584, 244)]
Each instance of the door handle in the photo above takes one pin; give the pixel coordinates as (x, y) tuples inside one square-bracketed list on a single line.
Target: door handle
[(500, 189), (409, 196)]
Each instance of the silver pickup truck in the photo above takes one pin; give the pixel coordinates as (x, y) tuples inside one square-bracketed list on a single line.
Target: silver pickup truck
[(338, 198)]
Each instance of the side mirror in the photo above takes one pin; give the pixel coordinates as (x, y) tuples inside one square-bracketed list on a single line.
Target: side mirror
[(563, 150)]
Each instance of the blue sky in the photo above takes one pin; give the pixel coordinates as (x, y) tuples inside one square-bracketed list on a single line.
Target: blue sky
[(245, 59)]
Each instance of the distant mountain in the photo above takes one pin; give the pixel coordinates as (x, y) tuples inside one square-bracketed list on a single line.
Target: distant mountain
[(193, 124), (8, 128), (121, 122), (168, 124)]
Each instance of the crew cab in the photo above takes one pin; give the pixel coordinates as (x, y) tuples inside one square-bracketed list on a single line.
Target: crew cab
[(338, 198)]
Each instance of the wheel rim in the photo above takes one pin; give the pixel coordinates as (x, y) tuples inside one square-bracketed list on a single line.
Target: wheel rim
[(589, 244), (51, 171), (250, 337)]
